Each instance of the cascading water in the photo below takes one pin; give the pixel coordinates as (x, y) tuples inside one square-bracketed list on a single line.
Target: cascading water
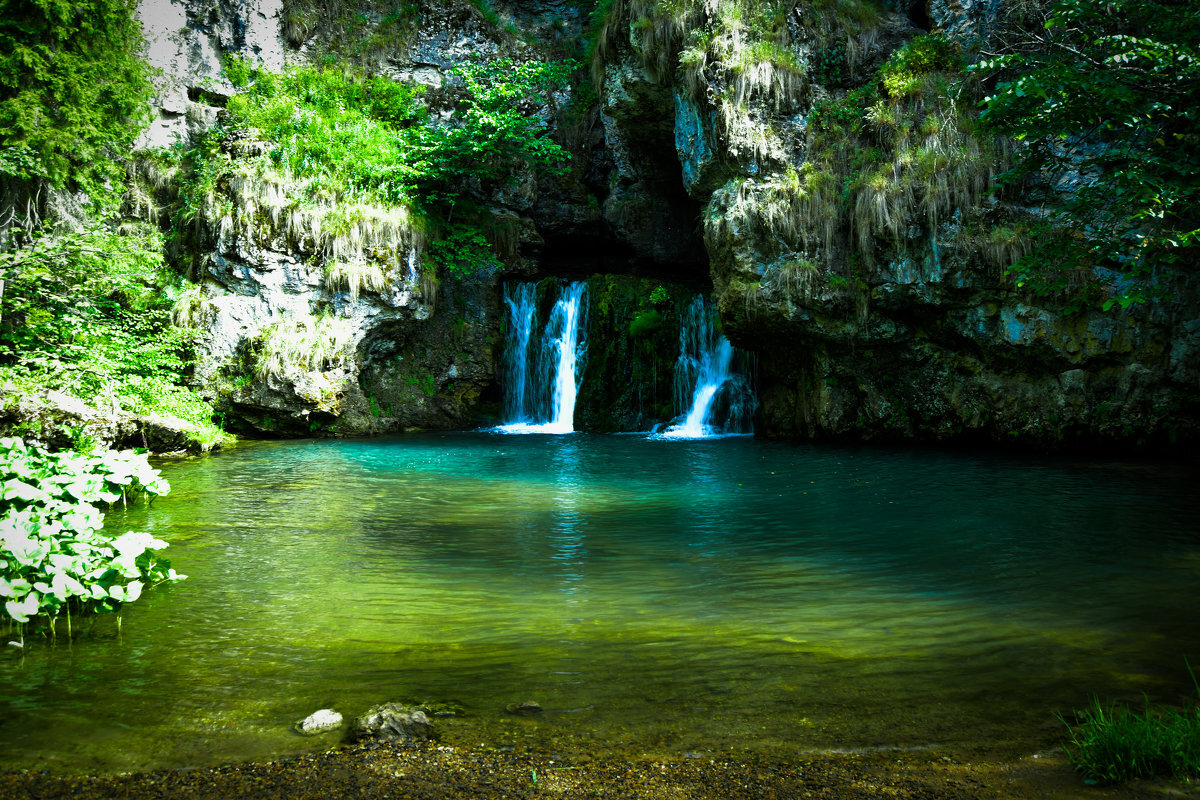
[(711, 392), (543, 365)]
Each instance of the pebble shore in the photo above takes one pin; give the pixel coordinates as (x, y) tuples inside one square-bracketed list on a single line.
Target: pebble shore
[(427, 771)]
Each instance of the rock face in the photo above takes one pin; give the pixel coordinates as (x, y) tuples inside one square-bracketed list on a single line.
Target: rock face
[(59, 421), (873, 316), (186, 40), (287, 346), (633, 344), (647, 204), (392, 722), (412, 355), (874, 308)]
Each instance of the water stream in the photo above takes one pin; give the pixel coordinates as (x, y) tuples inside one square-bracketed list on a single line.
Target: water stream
[(543, 364), (653, 596), (713, 396)]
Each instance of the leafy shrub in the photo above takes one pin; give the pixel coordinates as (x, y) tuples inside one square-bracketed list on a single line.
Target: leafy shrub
[(82, 314), (73, 91), (462, 250), (54, 559), (1107, 97), (830, 65), (337, 136), (926, 53)]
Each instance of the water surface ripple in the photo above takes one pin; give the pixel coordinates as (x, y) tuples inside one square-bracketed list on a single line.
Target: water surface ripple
[(651, 595)]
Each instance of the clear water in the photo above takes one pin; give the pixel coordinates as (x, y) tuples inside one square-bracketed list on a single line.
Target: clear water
[(653, 596)]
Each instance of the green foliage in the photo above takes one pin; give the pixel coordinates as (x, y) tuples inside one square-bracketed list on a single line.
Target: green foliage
[(337, 136), (906, 74), (1112, 102), (340, 132), (238, 70), (659, 297), (54, 559), (83, 314), (830, 66), (899, 150), (307, 343), (462, 250), (920, 56), (847, 112), (645, 323), (1112, 744), (495, 132), (73, 92)]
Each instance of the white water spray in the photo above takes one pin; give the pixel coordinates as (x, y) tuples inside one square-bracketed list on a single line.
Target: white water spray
[(715, 399), (543, 366)]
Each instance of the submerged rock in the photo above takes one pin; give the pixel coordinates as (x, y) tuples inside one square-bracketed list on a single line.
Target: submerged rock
[(525, 709), (319, 722), (392, 722)]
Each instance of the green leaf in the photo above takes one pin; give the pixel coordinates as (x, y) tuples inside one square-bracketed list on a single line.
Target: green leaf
[(22, 610), (17, 490), (15, 588)]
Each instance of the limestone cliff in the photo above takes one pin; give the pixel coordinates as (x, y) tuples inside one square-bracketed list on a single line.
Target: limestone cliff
[(848, 239), (851, 241), (320, 317)]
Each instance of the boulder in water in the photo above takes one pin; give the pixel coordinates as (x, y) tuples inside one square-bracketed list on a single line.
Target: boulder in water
[(392, 722), (319, 722)]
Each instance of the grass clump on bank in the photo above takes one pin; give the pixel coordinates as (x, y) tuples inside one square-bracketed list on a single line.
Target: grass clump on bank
[(1114, 744)]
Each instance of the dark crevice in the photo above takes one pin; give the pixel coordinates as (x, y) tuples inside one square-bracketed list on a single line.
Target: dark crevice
[(918, 15), (581, 255)]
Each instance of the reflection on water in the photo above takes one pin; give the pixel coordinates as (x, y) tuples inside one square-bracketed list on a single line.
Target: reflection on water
[(650, 595)]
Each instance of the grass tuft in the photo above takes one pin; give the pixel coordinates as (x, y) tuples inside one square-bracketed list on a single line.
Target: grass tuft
[(1113, 744)]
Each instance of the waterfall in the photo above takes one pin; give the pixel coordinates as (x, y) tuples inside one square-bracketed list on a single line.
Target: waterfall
[(543, 365), (712, 394)]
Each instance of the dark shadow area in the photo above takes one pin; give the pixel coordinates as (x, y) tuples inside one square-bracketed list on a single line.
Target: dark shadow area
[(579, 256), (918, 15)]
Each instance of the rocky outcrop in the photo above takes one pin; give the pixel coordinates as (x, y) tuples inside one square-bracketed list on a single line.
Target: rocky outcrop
[(288, 353), (186, 41), (875, 309), (874, 304), (647, 205), (289, 345), (59, 421)]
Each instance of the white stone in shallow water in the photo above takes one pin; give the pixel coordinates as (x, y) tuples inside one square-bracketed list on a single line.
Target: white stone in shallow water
[(319, 722)]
